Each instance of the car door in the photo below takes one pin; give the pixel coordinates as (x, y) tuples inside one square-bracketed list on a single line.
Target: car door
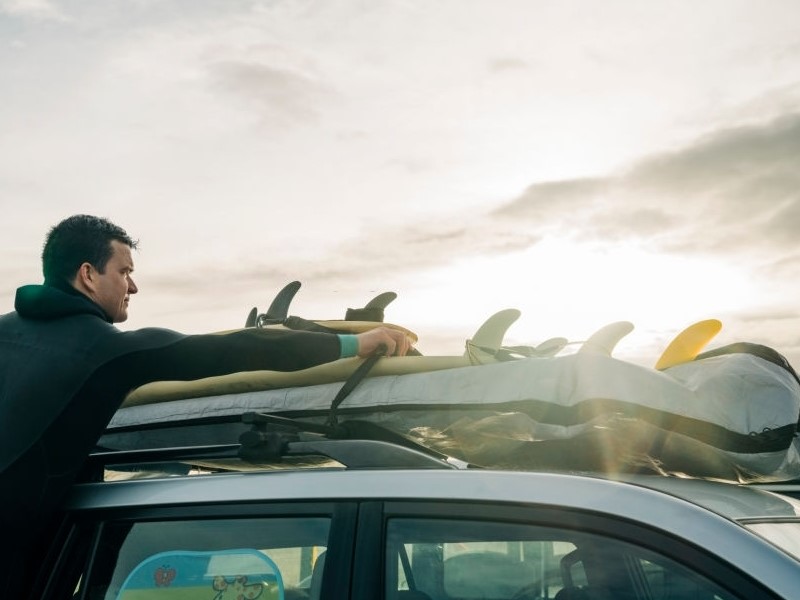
[(269, 551), (484, 551)]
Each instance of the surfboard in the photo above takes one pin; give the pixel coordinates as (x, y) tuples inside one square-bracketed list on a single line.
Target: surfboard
[(241, 573), (685, 346), (604, 340), (490, 334)]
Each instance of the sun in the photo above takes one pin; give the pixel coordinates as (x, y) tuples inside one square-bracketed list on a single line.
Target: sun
[(571, 289)]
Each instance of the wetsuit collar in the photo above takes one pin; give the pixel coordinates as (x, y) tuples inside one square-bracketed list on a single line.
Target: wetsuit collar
[(53, 301)]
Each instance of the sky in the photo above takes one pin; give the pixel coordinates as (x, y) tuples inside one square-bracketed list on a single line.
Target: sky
[(583, 162)]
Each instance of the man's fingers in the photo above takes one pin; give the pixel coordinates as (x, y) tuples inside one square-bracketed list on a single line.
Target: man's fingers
[(396, 342), (389, 340), (401, 343)]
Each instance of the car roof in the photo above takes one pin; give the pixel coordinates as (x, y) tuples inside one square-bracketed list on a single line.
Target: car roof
[(731, 501)]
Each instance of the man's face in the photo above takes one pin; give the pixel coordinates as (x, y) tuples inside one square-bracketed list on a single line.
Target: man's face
[(113, 287)]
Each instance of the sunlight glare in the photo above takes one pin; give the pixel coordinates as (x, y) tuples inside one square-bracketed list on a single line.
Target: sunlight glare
[(571, 289)]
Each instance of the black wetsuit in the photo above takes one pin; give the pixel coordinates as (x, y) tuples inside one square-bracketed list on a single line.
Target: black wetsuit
[(65, 370)]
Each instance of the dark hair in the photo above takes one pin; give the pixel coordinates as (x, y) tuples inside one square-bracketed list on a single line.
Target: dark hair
[(76, 240)]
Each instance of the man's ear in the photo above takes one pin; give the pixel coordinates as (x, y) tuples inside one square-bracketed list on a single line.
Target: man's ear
[(86, 277)]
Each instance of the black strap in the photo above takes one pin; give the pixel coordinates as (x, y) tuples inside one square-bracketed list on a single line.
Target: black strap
[(301, 324), (358, 375)]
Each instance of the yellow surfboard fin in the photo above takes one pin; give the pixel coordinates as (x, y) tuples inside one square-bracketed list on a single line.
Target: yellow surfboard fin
[(688, 343)]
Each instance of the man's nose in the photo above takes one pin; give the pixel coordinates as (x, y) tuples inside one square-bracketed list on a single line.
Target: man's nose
[(132, 288)]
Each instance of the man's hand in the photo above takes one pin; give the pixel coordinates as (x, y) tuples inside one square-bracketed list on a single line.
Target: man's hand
[(396, 342)]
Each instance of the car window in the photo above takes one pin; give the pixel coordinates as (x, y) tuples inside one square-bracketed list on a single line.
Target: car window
[(443, 559), (242, 559)]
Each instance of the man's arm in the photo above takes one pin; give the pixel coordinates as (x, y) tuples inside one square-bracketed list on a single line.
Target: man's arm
[(252, 349)]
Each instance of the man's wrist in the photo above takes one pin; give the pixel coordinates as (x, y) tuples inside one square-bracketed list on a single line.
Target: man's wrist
[(348, 345)]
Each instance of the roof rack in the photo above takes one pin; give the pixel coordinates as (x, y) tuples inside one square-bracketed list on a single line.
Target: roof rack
[(273, 441)]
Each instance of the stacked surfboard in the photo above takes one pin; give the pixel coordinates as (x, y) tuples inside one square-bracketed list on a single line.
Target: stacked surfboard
[(729, 413)]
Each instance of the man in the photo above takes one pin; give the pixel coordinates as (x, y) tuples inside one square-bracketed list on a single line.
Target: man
[(65, 369)]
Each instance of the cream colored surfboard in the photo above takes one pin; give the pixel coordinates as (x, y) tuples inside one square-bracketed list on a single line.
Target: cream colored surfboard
[(490, 333), (685, 346)]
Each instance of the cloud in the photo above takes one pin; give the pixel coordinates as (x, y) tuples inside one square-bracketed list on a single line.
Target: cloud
[(380, 255), (273, 91), (735, 190), (34, 9), (548, 202), (732, 194)]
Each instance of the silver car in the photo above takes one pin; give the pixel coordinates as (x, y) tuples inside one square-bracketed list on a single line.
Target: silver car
[(425, 529)]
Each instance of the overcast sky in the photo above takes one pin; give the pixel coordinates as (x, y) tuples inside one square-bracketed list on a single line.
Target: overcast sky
[(585, 162)]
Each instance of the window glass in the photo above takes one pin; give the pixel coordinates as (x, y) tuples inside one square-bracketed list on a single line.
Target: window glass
[(242, 559), (437, 559)]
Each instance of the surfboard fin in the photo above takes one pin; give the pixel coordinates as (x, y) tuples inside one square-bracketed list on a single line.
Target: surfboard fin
[(490, 336), (546, 349), (373, 310), (604, 340), (550, 347), (251, 318), (279, 308), (685, 346)]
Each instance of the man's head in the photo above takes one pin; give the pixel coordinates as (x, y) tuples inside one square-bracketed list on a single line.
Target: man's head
[(93, 256)]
